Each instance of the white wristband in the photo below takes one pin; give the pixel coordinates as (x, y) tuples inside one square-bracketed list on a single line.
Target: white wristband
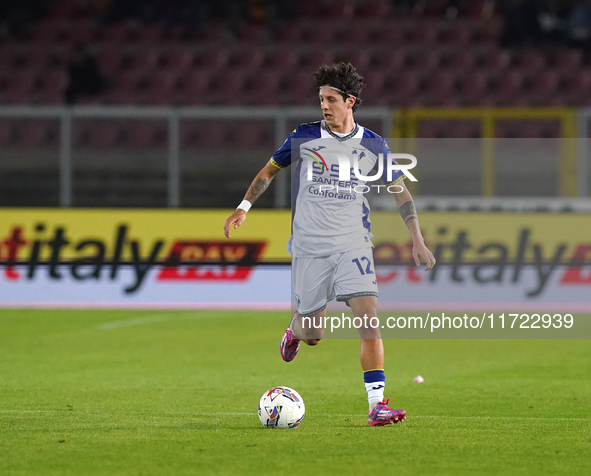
[(244, 205)]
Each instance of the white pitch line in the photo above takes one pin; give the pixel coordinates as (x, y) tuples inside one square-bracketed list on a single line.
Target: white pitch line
[(328, 415), (150, 319)]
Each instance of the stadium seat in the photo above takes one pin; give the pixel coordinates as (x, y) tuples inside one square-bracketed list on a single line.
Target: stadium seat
[(265, 87), (32, 133), (6, 133), (251, 135), (568, 60), (53, 86), (63, 9), (103, 135), (387, 60), (81, 32), (579, 84), (392, 34), (128, 80), (252, 33), (323, 35), (546, 82), (315, 58), (509, 83), (210, 135), (47, 32), (247, 58), (460, 60), (531, 60), (358, 58), (196, 81), (458, 36), (140, 135), (19, 86), (143, 59), (406, 84), (109, 60), (424, 34), (281, 59), (117, 33), (214, 59), (442, 83), (149, 34), (307, 9), (497, 60), (354, 37), (426, 60), (373, 9), (475, 84), (37, 58)]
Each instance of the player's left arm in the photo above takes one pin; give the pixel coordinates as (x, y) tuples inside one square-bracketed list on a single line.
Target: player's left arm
[(408, 212)]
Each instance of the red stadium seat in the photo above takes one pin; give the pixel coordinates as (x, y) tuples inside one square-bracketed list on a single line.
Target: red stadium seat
[(248, 58), (141, 135), (374, 9), (6, 133), (358, 58), (475, 84), (392, 34), (406, 84), (53, 86), (546, 82), (252, 33), (47, 32), (322, 35), (497, 60), (532, 60), (458, 35), (37, 58), (427, 60), (81, 32), (461, 60), (103, 135), (109, 59), (442, 83), (33, 133), (19, 86), (210, 135), (425, 34), (510, 83), (343, 10), (250, 135), (177, 58), (388, 60), (63, 9), (568, 60), (214, 59), (317, 57), (117, 33), (128, 80), (579, 84), (353, 36), (144, 59), (282, 59), (149, 34)]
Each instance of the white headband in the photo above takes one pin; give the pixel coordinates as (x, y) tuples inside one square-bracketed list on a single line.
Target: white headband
[(337, 89)]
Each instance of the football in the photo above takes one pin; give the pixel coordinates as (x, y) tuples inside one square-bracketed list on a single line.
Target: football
[(281, 407)]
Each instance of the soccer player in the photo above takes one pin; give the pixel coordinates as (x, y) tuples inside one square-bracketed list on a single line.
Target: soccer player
[(331, 239)]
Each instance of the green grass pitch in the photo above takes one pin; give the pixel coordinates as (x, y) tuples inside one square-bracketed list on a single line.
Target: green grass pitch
[(176, 393)]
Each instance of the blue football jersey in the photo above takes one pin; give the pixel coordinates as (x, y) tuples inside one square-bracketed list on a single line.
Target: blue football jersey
[(330, 213)]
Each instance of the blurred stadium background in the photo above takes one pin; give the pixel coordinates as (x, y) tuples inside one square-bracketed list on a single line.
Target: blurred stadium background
[(113, 104)]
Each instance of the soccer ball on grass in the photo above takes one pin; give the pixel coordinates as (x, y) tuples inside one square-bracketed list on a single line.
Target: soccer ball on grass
[(281, 407)]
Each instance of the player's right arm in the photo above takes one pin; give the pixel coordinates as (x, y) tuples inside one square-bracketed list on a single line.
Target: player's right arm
[(257, 187)]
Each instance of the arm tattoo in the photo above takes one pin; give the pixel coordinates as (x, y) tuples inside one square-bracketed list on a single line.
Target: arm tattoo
[(408, 212), (257, 189)]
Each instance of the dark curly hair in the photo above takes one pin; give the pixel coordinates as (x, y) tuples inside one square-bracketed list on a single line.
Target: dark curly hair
[(342, 76)]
